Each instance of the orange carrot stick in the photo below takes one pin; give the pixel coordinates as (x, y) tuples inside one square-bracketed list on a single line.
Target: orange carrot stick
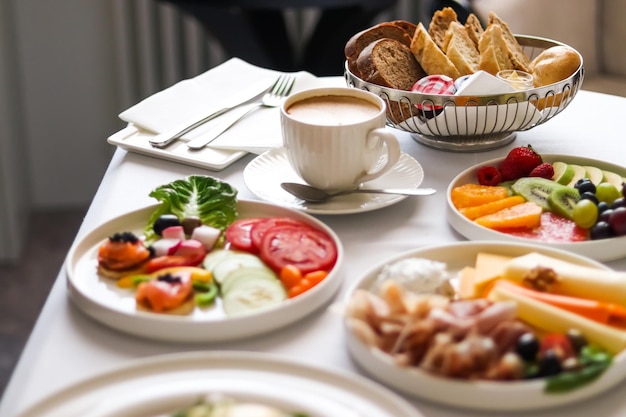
[(603, 312)]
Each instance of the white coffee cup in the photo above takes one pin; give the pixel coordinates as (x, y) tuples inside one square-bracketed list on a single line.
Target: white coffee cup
[(336, 139)]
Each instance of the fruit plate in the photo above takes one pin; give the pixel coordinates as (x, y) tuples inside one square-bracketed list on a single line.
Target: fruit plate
[(102, 300), (163, 384), (603, 250), (477, 395)]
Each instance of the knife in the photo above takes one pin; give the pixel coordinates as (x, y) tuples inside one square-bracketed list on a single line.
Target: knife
[(165, 138)]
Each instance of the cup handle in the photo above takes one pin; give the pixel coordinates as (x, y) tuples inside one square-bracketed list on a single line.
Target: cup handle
[(393, 151)]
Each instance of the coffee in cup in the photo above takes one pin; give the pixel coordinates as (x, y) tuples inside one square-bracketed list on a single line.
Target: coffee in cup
[(335, 138)]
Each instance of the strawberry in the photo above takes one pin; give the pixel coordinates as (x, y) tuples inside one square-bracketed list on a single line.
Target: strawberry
[(519, 162), (488, 175), (543, 170)]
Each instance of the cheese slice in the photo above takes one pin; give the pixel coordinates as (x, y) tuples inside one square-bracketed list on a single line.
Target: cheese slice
[(575, 280), (488, 267)]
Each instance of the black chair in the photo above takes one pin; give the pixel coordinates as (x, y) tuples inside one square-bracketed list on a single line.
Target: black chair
[(256, 31)]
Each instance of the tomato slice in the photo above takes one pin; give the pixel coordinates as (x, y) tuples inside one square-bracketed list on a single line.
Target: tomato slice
[(259, 228), (238, 234), (300, 245)]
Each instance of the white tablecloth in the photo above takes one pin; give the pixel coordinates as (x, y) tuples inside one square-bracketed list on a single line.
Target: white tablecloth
[(66, 346)]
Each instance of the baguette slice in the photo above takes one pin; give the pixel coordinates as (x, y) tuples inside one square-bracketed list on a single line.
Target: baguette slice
[(494, 54), (430, 57), (439, 25), (460, 49), (519, 59), (474, 28)]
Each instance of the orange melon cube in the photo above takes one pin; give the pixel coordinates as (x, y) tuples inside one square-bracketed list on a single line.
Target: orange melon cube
[(526, 215), (469, 195)]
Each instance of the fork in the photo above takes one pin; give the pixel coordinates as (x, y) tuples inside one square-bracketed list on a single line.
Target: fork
[(274, 96)]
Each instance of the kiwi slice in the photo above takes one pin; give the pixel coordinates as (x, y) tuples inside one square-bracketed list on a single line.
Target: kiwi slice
[(562, 201), (536, 189)]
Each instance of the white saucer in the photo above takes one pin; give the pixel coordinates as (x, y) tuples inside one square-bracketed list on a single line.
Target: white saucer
[(264, 174)]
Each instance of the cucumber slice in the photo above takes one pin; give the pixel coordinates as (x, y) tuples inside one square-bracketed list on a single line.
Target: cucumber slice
[(234, 261), (212, 258), (250, 294), (246, 272)]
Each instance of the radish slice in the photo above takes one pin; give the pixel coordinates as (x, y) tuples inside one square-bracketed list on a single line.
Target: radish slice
[(190, 248), (173, 232), (166, 246), (207, 235)]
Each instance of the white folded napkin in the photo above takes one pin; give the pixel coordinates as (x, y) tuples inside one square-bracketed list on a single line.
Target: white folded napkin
[(256, 133)]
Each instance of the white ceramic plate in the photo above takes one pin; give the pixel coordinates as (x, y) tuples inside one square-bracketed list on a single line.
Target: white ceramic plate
[(102, 300), (602, 250), (479, 395), (264, 174), (163, 384)]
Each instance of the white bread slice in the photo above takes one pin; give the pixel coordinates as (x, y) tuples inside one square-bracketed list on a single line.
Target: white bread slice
[(430, 56), (494, 55), (519, 59), (460, 49), (439, 25), (474, 28)]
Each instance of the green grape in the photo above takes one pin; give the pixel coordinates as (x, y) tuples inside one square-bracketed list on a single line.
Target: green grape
[(585, 213), (607, 192)]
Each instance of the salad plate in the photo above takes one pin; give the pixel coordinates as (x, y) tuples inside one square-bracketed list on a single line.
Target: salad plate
[(264, 174), (101, 299), (603, 250), (162, 385), (522, 395)]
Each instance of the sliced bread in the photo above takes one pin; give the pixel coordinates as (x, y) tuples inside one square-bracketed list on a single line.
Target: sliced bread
[(494, 54), (517, 56), (460, 49), (389, 63), (439, 25), (430, 56), (474, 28), (359, 41)]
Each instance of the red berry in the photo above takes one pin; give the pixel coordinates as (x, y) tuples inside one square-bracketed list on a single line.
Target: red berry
[(488, 175), (543, 170), (519, 162)]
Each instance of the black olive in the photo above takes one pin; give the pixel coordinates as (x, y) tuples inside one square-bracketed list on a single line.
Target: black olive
[(165, 221), (527, 347), (550, 363), (190, 223)]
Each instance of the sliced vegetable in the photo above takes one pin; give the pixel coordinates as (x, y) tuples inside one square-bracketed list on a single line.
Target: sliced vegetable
[(251, 294), (238, 234), (197, 275), (207, 235), (263, 225), (234, 261), (603, 312), (306, 248)]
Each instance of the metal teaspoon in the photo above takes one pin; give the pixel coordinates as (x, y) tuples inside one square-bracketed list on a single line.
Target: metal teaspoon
[(315, 195)]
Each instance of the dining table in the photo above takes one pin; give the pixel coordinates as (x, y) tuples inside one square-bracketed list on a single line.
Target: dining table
[(66, 346)]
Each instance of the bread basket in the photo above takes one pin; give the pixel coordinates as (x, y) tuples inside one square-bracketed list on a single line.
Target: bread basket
[(475, 123)]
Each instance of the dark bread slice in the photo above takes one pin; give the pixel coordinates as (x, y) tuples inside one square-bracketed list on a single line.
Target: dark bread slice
[(389, 63), (409, 27), (359, 41), (439, 24)]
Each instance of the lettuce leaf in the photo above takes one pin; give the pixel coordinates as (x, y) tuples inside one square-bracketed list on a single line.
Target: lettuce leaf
[(213, 201)]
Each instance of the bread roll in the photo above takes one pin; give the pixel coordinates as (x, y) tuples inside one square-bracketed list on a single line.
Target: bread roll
[(553, 65)]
